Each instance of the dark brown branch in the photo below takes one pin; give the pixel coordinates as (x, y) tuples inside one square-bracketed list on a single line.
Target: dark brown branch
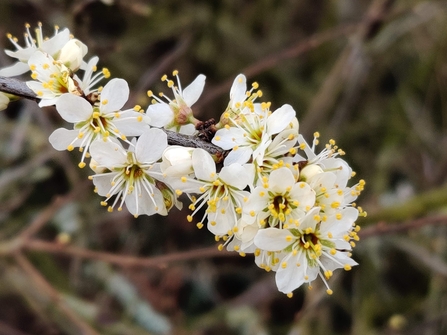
[(19, 88)]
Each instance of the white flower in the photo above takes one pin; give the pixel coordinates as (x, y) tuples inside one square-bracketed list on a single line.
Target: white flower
[(72, 54), (252, 133), (99, 121), (316, 246), (133, 175), (223, 193), (280, 201), (176, 114), (177, 161), (51, 79), (51, 46), (241, 101), (90, 79)]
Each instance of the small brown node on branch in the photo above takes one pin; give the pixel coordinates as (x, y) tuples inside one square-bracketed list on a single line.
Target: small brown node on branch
[(206, 129)]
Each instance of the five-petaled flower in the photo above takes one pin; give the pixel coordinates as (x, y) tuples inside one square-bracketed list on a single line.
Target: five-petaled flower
[(133, 176)]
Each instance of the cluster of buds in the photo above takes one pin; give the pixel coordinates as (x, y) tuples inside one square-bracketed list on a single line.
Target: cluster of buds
[(271, 195)]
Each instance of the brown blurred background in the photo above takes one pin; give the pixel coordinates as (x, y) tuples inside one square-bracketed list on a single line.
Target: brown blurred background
[(370, 74)]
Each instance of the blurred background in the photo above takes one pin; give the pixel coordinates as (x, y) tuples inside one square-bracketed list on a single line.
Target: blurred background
[(372, 74)]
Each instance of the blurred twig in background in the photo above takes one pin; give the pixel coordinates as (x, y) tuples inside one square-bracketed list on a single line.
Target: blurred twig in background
[(373, 75)]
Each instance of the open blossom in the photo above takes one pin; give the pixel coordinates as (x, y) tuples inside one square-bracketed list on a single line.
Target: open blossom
[(99, 121), (176, 114), (71, 56), (279, 201), (222, 194), (134, 176), (51, 79), (316, 246), (251, 134)]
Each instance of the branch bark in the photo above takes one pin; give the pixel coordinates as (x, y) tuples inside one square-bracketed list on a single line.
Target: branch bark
[(19, 88)]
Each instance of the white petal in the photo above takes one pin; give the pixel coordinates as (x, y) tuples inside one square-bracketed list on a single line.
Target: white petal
[(160, 114), (280, 119), (116, 92), (129, 125), (108, 154), (272, 239), (204, 166), (14, 70), (61, 138), (150, 145), (234, 175), (280, 180), (192, 93), (238, 90), (240, 156), (228, 138), (55, 43), (291, 277), (73, 109), (103, 183)]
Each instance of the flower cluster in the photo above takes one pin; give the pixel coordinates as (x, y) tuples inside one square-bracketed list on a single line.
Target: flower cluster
[(272, 194)]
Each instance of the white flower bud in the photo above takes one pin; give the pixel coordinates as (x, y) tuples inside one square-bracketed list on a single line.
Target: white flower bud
[(309, 171), (72, 54), (177, 161), (4, 101)]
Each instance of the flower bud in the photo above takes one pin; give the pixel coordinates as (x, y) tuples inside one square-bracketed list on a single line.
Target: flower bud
[(177, 161), (309, 171), (4, 101), (72, 54)]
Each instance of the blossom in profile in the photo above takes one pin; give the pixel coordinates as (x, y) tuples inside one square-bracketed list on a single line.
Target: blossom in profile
[(101, 121), (176, 114), (133, 176), (54, 46)]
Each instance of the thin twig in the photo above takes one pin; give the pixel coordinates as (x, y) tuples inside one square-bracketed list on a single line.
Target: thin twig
[(49, 212), (53, 294), (19, 88), (383, 228), (125, 261)]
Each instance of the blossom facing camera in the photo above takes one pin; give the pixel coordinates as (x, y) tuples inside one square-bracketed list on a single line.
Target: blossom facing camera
[(133, 175), (101, 121)]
